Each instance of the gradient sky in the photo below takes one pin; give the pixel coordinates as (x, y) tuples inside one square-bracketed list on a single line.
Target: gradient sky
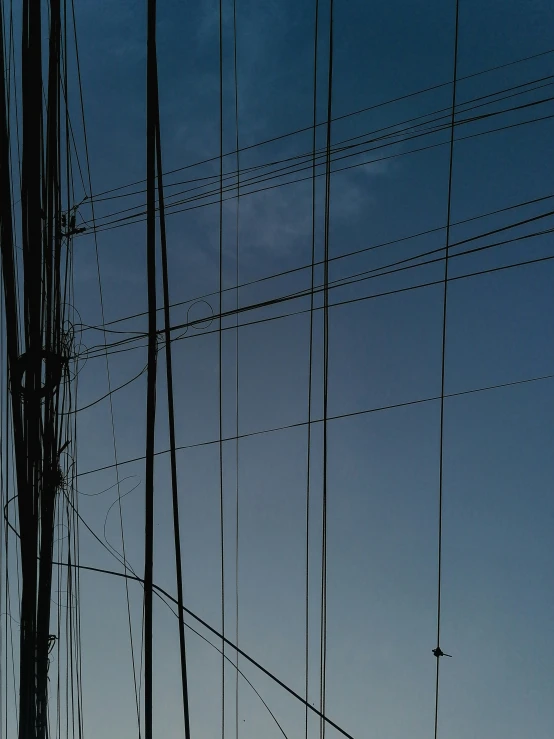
[(383, 467)]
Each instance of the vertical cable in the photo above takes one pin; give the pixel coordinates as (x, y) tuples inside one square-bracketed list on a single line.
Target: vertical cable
[(326, 376), (71, 431), (108, 374), (8, 312), (171, 419), (438, 652), (310, 380), (3, 438), (3, 394), (222, 532), (237, 280), (152, 359)]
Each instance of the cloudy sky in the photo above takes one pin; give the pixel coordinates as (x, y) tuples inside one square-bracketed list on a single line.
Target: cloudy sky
[(384, 350)]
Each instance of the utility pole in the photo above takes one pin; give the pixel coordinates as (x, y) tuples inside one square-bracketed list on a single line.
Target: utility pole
[(38, 351)]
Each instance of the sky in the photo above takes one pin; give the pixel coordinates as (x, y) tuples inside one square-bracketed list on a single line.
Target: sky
[(382, 465)]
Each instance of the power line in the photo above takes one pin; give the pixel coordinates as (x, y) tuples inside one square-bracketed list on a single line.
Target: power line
[(124, 222), (114, 554), (108, 374), (171, 423), (364, 276), (152, 117), (338, 417), (386, 293), (219, 636), (347, 144), (327, 220), (220, 373), (438, 650), (375, 106), (370, 297), (302, 166), (331, 259), (237, 347), (310, 378)]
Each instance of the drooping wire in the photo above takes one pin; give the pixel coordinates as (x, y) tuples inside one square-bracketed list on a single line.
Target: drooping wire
[(438, 652), (218, 634), (194, 631)]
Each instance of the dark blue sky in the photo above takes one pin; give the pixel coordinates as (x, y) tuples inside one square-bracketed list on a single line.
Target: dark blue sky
[(383, 466)]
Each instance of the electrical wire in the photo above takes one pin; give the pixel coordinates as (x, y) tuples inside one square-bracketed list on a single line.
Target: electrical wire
[(388, 269), (332, 259), (237, 349), (194, 631), (108, 374), (310, 378), (171, 421), (409, 132), (229, 189), (438, 650), (352, 414), (220, 373), (323, 626), (396, 291), (152, 116), (216, 633), (344, 116)]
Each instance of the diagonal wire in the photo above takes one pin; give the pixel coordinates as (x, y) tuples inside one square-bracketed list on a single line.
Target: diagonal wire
[(344, 116), (302, 163), (338, 257), (388, 134)]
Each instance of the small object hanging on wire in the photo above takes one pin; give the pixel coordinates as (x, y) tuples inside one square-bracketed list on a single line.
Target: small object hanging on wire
[(68, 222), (52, 638), (439, 653)]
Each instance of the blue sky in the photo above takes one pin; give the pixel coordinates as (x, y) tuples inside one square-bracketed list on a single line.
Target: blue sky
[(383, 479)]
